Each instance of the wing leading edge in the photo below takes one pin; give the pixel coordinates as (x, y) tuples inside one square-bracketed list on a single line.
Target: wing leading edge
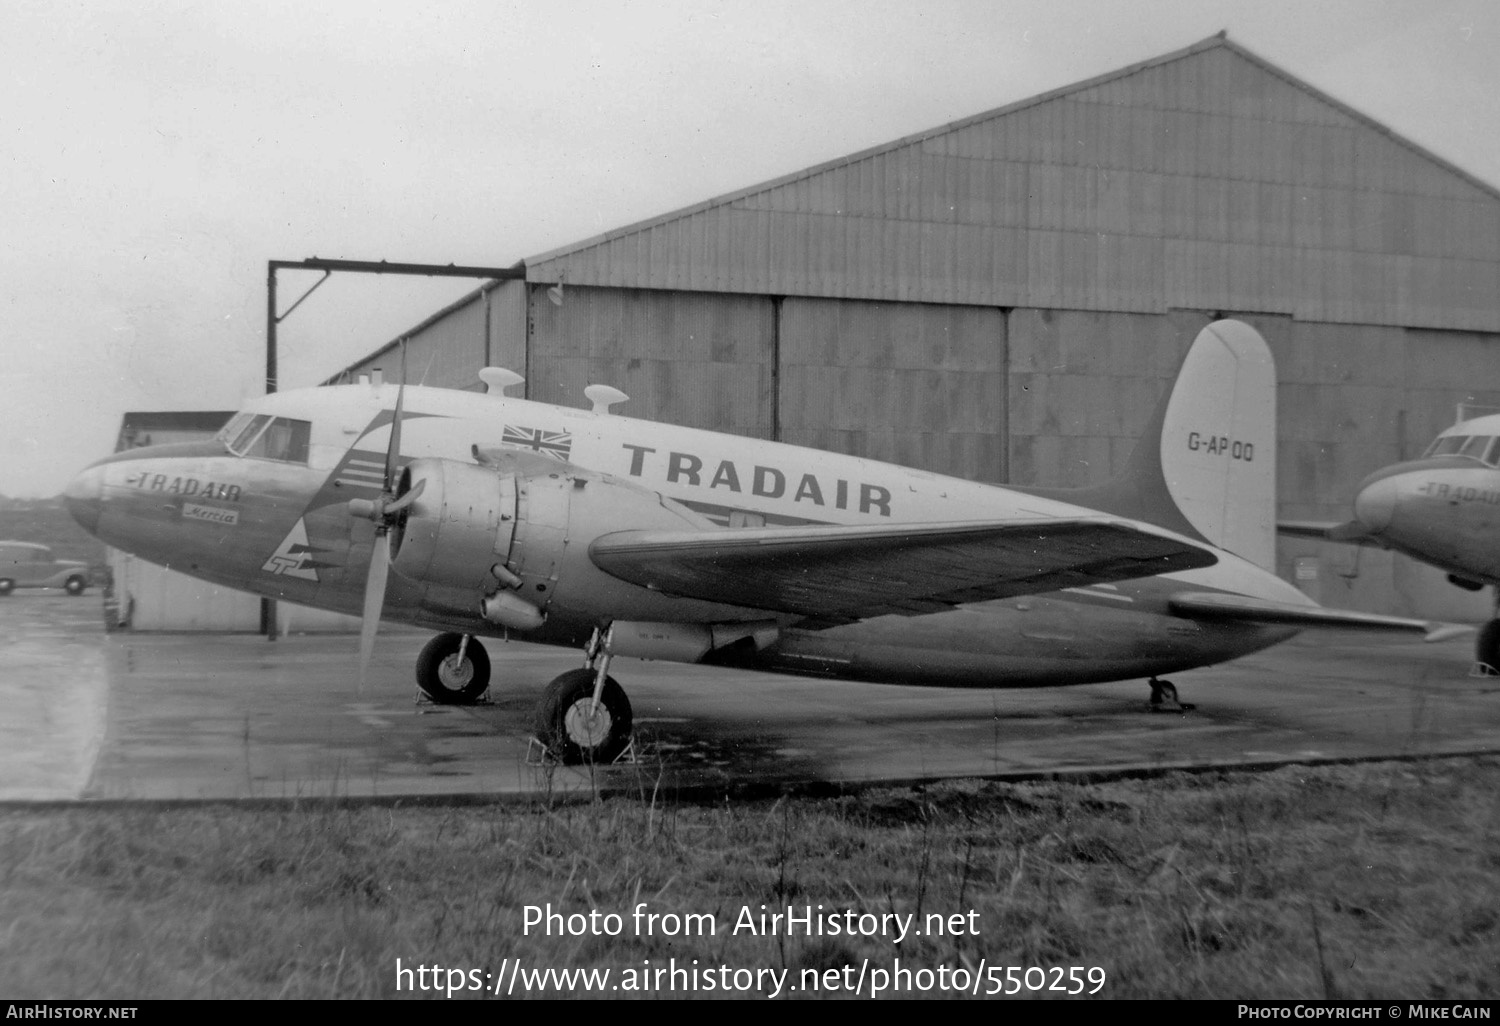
[(840, 574)]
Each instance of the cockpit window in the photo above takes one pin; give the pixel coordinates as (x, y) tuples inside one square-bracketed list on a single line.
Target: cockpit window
[(284, 440), (229, 432), (263, 437), (240, 443), (1485, 448), (1475, 446), (1447, 445)]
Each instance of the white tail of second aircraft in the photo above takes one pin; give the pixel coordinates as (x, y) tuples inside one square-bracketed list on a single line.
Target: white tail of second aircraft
[(1206, 466)]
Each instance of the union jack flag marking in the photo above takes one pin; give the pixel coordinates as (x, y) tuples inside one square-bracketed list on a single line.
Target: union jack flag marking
[(556, 444)]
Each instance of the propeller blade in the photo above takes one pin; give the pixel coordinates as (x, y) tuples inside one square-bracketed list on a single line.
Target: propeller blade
[(393, 453), (380, 511), (380, 564)]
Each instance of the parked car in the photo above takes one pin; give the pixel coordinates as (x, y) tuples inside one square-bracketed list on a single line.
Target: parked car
[(29, 565)]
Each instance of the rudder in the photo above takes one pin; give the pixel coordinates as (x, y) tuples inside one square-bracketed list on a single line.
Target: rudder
[(1218, 441)]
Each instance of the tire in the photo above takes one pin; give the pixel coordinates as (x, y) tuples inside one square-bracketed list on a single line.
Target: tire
[(562, 720), (7, 585), (444, 680), (74, 585), (1487, 647)]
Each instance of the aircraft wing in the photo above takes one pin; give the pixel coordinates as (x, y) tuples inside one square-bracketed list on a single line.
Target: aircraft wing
[(1213, 605), (1351, 531), (838, 574)]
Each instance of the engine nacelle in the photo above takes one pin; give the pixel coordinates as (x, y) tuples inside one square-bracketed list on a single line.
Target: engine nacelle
[(686, 642), (508, 539)]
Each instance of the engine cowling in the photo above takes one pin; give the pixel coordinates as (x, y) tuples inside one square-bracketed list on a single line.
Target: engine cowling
[(460, 526), (509, 539)]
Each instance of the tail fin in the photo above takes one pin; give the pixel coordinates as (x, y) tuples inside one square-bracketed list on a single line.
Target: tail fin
[(1206, 466)]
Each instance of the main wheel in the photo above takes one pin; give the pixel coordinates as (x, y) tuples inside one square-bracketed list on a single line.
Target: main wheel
[(573, 731), (1487, 647), (7, 585), (448, 680), (75, 585)]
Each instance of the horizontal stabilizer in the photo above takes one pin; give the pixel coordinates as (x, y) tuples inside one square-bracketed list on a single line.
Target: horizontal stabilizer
[(1351, 531), (1213, 605), (837, 574)]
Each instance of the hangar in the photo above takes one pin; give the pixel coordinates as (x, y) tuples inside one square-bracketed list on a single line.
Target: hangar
[(1006, 297)]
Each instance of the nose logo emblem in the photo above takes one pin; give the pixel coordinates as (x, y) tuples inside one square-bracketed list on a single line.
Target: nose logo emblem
[(293, 557)]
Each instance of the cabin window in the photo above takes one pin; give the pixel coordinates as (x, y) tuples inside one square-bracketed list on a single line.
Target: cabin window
[(1492, 455)]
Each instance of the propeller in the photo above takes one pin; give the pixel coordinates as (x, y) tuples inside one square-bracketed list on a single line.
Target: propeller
[(387, 511)]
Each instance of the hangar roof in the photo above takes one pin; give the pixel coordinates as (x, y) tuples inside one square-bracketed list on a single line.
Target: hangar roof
[(1207, 178)]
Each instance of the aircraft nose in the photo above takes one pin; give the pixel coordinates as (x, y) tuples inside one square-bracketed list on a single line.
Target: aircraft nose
[(84, 498), (1375, 504)]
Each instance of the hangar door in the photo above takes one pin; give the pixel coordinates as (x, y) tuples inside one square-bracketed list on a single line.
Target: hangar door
[(697, 359), (153, 598), (918, 384)]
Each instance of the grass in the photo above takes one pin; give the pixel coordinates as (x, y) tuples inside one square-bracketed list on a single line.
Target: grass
[(1375, 880)]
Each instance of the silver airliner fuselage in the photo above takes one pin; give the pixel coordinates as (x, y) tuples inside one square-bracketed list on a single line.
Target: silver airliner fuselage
[(273, 519), (1444, 508), (481, 515)]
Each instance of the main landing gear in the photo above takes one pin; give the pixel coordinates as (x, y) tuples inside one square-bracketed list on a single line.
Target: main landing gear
[(1164, 697), (453, 669), (584, 716)]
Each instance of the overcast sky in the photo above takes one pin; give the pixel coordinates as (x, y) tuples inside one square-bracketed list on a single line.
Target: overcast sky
[(157, 154)]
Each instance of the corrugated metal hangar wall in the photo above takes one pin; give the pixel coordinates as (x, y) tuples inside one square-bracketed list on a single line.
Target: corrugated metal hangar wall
[(1007, 297)]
